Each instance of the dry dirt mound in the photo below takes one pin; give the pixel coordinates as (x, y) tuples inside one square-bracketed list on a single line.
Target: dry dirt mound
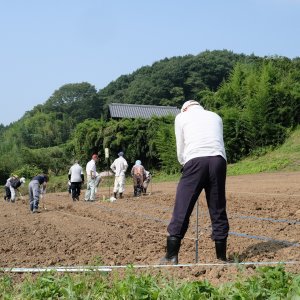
[(263, 210)]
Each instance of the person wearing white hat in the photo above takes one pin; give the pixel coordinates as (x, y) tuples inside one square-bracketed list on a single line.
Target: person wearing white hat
[(201, 152)]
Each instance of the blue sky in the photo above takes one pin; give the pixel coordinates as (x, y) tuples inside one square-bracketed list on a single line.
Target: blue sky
[(46, 44)]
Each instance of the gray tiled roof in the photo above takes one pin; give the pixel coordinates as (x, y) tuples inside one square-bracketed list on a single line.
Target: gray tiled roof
[(120, 110)]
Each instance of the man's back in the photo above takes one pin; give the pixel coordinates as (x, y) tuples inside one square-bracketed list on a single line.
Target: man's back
[(119, 166), (76, 172), (199, 133)]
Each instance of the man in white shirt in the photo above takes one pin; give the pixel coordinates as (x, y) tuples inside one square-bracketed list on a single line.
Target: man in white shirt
[(119, 167), (76, 178), (201, 152), (93, 179)]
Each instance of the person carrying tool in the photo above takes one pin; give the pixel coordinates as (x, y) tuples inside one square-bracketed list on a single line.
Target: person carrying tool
[(76, 177), (201, 152), (37, 188), (119, 167), (138, 174), (93, 179)]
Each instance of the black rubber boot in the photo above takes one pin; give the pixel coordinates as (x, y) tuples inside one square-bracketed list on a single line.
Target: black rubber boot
[(135, 191), (121, 195), (173, 246), (221, 247), (115, 195)]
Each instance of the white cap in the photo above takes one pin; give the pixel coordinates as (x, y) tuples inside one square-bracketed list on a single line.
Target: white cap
[(22, 179), (187, 104)]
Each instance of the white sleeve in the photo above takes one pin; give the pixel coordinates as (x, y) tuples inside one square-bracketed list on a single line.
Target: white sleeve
[(179, 141)]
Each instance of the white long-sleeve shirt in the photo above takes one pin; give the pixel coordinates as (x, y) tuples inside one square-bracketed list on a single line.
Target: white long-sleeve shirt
[(76, 172), (119, 166), (199, 133), (91, 169)]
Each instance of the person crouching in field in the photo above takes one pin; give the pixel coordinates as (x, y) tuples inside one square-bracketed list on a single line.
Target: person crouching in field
[(12, 184), (37, 187), (201, 152), (138, 174)]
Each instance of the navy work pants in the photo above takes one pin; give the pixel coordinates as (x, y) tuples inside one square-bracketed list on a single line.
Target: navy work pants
[(75, 189), (208, 173)]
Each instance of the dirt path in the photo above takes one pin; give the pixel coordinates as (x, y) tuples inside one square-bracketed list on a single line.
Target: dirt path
[(264, 213)]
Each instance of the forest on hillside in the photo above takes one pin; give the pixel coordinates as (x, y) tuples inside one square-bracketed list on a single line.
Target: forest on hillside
[(257, 97)]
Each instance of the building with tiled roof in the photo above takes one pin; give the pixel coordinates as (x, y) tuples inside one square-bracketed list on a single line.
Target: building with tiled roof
[(121, 111)]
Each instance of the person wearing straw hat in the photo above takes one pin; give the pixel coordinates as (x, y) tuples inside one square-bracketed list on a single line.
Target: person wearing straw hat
[(201, 152)]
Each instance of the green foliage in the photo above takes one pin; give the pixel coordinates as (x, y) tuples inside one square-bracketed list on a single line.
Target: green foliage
[(166, 148), (28, 171), (257, 106), (79, 101), (135, 287), (6, 287), (149, 140), (172, 81), (267, 283)]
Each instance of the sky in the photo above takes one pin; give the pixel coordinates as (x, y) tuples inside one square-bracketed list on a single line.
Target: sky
[(47, 44)]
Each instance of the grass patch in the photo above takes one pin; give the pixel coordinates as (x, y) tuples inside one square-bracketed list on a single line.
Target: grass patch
[(284, 158), (267, 283)]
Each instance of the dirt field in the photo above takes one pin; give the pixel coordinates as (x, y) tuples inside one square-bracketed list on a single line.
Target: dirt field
[(263, 210)]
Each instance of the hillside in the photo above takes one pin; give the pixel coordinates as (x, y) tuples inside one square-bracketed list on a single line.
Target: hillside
[(257, 97), (283, 158)]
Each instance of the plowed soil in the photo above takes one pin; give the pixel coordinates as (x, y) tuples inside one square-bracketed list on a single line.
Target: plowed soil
[(263, 211)]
